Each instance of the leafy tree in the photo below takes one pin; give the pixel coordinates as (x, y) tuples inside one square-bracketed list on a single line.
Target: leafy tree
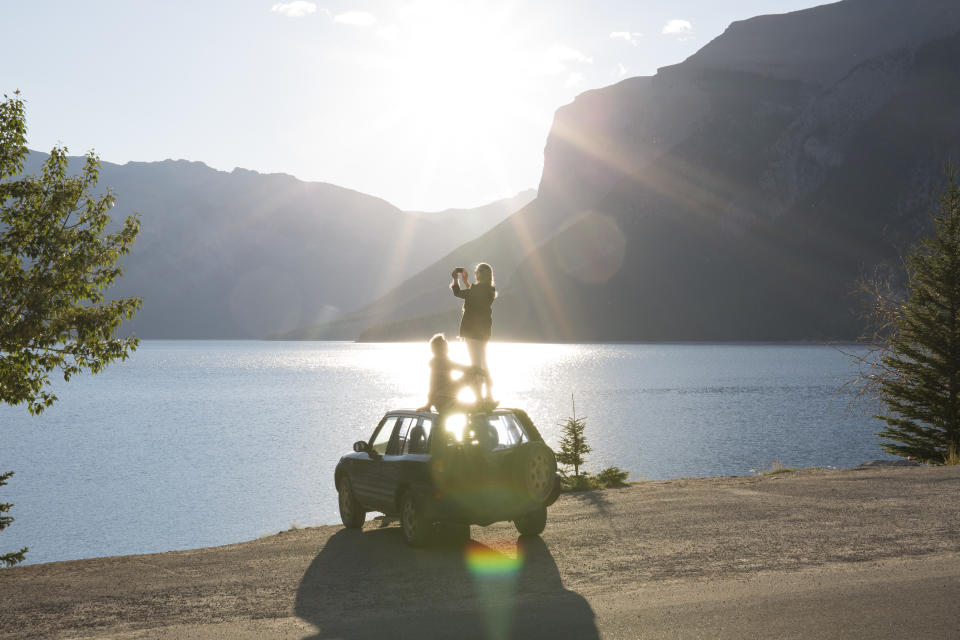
[(14, 557), (573, 444), (918, 374), (56, 260)]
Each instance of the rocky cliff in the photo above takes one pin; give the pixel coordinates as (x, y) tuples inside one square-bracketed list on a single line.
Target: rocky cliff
[(737, 195)]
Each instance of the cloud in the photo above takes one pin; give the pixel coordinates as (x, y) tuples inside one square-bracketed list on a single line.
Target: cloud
[(573, 79), (621, 70), (356, 18), (629, 36), (682, 29), (295, 9), (390, 32), (557, 59)]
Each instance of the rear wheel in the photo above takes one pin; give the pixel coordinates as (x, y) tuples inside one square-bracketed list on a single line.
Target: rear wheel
[(532, 523), (414, 525), (351, 513)]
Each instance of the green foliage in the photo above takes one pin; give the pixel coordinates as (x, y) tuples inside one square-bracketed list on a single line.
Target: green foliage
[(573, 444), (612, 477), (56, 260), (609, 477), (579, 482), (16, 557), (920, 368)]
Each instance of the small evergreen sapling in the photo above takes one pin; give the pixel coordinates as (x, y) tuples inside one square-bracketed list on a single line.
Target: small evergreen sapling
[(573, 444)]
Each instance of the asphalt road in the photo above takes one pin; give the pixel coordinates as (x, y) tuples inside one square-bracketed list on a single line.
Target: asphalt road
[(870, 553)]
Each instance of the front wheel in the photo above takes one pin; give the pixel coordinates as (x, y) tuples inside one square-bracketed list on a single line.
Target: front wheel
[(532, 523), (414, 525), (351, 513)]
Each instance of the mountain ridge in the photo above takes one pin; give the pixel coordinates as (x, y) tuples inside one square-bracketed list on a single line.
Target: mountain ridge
[(241, 254), (717, 203)]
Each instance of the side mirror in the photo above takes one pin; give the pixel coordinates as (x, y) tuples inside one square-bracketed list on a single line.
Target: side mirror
[(360, 446)]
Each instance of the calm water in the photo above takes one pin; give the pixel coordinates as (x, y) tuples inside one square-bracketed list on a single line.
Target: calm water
[(191, 444)]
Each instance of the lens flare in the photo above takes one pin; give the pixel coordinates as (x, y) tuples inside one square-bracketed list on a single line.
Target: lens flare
[(495, 576), (486, 562)]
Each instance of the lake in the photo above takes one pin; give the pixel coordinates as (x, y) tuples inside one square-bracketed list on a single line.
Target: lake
[(198, 443)]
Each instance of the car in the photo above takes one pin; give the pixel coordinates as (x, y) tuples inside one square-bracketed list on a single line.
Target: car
[(483, 467)]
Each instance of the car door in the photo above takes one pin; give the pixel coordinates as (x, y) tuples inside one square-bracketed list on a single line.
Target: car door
[(390, 469), (366, 471)]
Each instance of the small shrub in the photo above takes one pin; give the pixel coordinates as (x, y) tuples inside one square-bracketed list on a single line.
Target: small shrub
[(581, 482), (612, 477)]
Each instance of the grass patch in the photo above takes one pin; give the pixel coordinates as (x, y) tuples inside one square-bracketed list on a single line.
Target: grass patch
[(953, 456), (775, 468)]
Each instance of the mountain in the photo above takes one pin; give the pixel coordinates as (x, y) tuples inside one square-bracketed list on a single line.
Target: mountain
[(242, 254), (737, 195)]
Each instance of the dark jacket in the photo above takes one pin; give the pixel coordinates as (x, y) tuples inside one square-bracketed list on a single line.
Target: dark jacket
[(477, 317)]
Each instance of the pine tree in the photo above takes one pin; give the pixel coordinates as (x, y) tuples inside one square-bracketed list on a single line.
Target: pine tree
[(573, 444), (920, 385)]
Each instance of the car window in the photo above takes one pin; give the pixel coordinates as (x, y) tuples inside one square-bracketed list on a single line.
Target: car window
[(508, 430), (382, 437), (512, 431), (398, 441), (418, 437)]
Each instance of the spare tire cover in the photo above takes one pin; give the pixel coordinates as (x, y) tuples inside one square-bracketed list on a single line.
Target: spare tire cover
[(534, 467)]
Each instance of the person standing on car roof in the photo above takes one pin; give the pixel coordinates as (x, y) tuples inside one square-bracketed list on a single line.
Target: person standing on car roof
[(477, 321)]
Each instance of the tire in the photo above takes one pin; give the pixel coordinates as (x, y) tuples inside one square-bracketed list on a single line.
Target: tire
[(351, 513), (532, 523), (533, 474), (416, 529)]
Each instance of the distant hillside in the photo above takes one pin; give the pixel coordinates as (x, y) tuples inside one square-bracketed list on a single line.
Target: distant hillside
[(735, 196), (244, 254)]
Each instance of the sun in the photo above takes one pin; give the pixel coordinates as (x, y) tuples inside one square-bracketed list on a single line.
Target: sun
[(457, 70)]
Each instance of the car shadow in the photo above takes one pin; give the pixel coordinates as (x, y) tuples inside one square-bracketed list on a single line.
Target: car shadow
[(370, 584)]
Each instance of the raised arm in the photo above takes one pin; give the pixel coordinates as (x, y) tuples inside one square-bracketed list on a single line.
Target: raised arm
[(455, 285)]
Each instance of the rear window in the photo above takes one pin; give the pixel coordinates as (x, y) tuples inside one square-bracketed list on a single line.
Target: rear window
[(498, 431)]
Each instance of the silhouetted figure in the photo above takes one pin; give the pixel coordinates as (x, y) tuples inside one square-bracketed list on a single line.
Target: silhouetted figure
[(442, 395), (477, 320)]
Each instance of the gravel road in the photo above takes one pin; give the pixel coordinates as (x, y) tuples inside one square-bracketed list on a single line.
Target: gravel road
[(871, 552)]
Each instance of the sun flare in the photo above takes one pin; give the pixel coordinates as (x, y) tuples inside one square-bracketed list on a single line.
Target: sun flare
[(455, 64)]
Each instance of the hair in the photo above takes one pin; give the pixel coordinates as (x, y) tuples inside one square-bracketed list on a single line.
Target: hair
[(438, 343), (485, 274)]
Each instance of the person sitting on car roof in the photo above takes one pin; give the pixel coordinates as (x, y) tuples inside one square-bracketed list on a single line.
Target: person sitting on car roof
[(443, 387)]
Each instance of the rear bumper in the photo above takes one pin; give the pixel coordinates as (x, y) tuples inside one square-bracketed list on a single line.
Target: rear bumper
[(484, 507)]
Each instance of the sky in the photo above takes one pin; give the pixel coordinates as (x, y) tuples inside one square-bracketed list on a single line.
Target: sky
[(428, 104)]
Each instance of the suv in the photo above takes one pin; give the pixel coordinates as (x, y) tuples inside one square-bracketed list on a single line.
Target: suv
[(481, 468)]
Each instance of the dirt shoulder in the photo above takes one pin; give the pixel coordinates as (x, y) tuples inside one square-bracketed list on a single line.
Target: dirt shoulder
[(646, 557)]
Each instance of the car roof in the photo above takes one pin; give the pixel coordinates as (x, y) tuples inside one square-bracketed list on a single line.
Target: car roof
[(431, 414)]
